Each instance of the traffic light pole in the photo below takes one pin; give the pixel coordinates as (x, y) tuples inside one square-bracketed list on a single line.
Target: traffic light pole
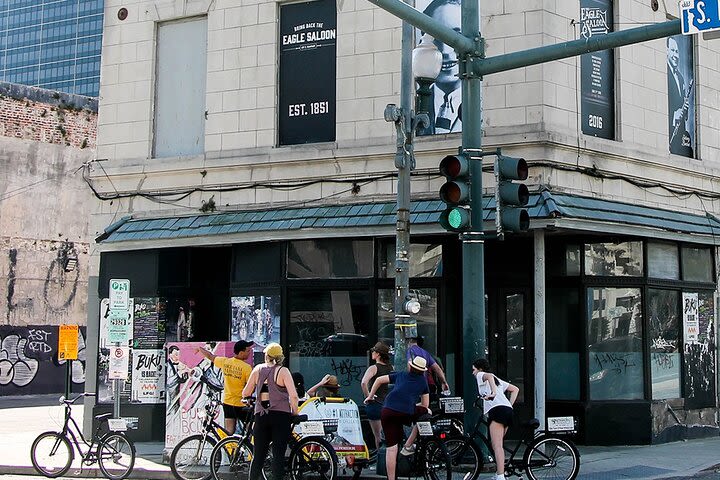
[(469, 47)]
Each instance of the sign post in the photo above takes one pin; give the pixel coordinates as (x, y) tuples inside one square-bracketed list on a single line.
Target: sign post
[(119, 332)]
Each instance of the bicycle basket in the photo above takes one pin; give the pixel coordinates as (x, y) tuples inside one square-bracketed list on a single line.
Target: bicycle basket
[(452, 405)]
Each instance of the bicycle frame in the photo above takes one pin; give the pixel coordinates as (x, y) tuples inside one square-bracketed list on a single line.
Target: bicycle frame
[(71, 430)]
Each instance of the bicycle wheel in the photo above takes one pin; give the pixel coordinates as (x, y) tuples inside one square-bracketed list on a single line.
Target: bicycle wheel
[(466, 458), (190, 459), (230, 459), (52, 454), (313, 458), (116, 456), (436, 461), (551, 458)]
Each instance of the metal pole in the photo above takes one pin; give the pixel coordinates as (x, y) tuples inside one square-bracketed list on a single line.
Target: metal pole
[(404, 161), (540, 326), (473, 298)]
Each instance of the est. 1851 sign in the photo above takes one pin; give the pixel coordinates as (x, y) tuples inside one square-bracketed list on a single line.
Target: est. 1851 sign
[(307, 72)]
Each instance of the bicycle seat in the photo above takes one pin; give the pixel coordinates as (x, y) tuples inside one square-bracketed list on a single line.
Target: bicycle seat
[(103, 416), (298, 419), (531, 424)]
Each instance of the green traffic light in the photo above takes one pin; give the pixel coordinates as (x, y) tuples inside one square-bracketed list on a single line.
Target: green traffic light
[(455, 218)]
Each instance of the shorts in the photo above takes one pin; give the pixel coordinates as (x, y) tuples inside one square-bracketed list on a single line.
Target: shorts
[(393, 421), (372, 410), (233, 411), (501, 414)]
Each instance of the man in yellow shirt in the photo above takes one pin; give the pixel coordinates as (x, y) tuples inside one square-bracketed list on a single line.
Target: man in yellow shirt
[(236, 372)]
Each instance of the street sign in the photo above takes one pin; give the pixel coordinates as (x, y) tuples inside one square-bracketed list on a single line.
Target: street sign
[(119, 326), (699, 16), (68, 342), (119, 361), (119, 294)]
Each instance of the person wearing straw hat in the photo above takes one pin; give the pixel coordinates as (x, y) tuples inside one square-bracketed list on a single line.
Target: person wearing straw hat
[(402, 408), (327, 387)]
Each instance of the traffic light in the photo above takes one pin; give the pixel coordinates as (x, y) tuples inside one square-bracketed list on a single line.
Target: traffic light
[(509, 196), (455, 192)]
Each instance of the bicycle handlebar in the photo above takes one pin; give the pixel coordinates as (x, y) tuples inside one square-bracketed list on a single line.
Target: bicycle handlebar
[(71, 401)]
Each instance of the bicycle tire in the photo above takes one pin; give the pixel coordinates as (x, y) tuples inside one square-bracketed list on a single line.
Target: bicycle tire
[(437, 464), (467, 459), (190, 459), (313, 458), (230, 459), (549, 457), (58, 447), (116, 456)]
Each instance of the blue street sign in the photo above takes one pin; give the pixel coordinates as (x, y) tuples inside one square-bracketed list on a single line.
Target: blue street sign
[(699, 16)]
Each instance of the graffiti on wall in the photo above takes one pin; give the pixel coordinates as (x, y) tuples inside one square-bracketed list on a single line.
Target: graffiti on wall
[(29, 363)]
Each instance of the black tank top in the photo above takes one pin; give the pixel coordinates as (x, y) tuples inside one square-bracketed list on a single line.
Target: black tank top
[(383, 390)]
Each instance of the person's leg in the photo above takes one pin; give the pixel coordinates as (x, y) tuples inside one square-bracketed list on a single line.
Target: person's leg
[(230, 418), (419, 412), (280, 435), (392, 427), (391, 461), (497, 436), (261, 444), (377, 432)]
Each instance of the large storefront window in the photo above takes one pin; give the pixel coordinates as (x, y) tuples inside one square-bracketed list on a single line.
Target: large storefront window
[(330, 258), (664, 331), (624, 259), (615, 343), (564, 343), (328, 334), (515, 315), (255, 318), (426, 319), (697, 264), (425, 260), (663, 260)]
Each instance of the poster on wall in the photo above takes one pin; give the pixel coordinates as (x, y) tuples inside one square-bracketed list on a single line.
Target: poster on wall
[(187, 374), (446, 112), (681, 95), (691, 323), (255, 318), (597, 72), (307, 72), (148, 376), (148, 330)]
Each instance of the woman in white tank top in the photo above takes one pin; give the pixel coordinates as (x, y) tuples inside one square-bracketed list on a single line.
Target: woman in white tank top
[(497, 407)]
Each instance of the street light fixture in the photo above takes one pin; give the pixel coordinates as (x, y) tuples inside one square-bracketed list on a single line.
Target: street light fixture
[(426, 65)]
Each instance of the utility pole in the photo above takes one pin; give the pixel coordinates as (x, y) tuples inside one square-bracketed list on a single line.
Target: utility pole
[(469, 46)]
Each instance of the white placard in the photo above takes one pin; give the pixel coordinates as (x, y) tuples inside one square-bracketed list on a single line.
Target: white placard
[(119, 294), (691, 322), (453, 405), (117, 424), (119, 326), (313, 429), (148, 376), (119, 362), (425, 429), (560, 424)]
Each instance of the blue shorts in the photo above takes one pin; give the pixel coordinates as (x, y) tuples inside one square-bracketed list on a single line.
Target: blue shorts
[(372, 410)]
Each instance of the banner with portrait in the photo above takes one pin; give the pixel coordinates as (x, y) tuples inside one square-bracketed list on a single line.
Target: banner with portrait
[(307, 72), (681, 95), (597, 72)]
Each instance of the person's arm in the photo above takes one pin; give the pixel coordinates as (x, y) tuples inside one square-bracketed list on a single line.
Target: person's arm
[(210, 356), (490, 378), (384, 380), (285, 380), (425, 400), (441, 375), (369, 373), (514, 391), (311, 391), (249, 388)]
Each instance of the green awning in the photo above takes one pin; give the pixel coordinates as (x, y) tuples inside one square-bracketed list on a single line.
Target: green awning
[(545, 204)]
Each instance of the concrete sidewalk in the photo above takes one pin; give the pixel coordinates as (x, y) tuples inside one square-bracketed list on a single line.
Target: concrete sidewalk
[(23, 418)]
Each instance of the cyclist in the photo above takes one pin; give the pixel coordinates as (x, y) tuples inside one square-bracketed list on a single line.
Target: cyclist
[(274, 388), (415, 349), (401, 408), (497, 407), (236, 371), (381, 356)]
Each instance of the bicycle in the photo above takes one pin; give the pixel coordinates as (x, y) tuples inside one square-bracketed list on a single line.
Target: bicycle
[(545, 454), (190, 459), (431, 459), (52, 453), (311, 455)]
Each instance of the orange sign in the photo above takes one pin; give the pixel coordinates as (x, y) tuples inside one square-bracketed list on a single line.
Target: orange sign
[(68, 342)]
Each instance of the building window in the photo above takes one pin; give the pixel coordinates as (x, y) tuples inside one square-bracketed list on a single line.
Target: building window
[(330, 258), (180, 88), (425, 260), (615, 353), (697, 264), (564, 343), (664, 332), (663, 260), (426, 319), (624, 259), (515, 344)]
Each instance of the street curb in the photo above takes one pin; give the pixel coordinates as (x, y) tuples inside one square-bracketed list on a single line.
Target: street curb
[(89, 472)]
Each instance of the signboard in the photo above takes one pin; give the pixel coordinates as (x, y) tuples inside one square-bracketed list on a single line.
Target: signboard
[(148, 376), (119, 326), (691, 322), (68, 342), (347, 439), (699, 16), (307, 72), (119, 294), (119, 362), (597, 72)]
